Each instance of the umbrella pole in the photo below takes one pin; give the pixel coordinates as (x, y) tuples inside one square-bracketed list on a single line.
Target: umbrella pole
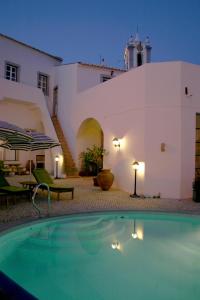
[(30, 166)]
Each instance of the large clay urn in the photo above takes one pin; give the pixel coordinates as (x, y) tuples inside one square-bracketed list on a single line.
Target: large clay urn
[(105, 179)]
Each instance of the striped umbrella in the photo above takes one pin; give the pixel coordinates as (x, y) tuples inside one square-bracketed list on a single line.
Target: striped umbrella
[(11, 134), (36, 141)]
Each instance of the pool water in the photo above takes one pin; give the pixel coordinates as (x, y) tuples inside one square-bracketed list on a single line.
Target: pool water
[(106, 256)]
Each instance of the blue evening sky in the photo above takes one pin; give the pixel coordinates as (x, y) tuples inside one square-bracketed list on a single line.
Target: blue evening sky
[(85, 30)]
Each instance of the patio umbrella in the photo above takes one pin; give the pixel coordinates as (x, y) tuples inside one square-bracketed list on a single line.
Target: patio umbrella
[(11, 134), (36, 141)]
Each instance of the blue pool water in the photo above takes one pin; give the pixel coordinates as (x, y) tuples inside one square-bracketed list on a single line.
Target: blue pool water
[(106, 256)]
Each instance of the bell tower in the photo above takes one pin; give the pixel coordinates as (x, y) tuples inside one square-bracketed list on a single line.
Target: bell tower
[(137, 52)]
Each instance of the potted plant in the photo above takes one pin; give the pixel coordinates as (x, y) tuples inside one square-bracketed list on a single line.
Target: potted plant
[(196, 189), (92, 161)]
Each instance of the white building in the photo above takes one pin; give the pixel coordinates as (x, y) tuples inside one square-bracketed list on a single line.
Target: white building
[(152, 109)]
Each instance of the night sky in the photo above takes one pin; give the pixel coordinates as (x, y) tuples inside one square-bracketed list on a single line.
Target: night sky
[(89, 29)]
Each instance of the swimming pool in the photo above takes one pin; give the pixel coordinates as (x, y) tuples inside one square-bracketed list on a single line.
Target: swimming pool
[(106, 256)]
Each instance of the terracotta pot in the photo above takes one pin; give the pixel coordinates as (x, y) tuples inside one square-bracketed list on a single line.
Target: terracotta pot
[(105, 179)]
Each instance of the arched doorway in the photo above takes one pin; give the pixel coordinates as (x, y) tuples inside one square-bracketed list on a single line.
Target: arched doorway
[(89, 134)]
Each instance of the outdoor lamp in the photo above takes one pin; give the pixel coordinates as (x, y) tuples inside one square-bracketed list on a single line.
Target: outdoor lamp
[(135, 166), (56, 160), (116, 142)]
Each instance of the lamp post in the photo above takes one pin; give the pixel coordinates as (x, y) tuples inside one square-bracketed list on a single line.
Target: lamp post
[(135, 165), (56, 160)]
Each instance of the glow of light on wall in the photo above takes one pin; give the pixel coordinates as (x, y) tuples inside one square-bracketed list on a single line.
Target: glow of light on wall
[(61, 159), (141, 169), (123, 143)]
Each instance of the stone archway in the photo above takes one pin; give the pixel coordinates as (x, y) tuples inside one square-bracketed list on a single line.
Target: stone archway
[(90, 133)]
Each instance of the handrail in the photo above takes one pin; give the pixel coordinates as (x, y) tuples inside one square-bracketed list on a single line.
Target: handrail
[(34, 194)]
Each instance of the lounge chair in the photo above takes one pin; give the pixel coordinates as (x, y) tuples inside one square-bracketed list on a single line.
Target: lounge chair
[(42, 176), (5, 187)]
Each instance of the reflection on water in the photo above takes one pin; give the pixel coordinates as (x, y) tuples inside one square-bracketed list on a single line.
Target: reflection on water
[(138, 230), (117, 231), (134, 229)]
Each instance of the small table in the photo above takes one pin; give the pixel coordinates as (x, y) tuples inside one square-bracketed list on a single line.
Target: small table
[(29, 184)]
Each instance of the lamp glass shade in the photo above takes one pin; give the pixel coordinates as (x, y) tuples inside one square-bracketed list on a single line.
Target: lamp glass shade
[(135, 165), (56, 158), (116, 142)]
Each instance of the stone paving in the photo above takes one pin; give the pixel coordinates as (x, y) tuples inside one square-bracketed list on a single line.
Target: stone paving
[(87, 198)]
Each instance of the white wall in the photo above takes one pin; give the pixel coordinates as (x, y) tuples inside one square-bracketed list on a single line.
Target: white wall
[(30, 62), (163, 125), (146, 107), (66, 79), (25, 106), (71, 79), (118, 106), (88, 76)]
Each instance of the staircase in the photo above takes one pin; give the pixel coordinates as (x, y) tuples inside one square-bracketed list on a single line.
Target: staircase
[(69, 165)]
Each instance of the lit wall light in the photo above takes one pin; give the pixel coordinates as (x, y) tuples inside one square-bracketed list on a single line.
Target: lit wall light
[(116, 142)]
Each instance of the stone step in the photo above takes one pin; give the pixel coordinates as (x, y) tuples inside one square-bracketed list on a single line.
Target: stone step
[(69, 164)]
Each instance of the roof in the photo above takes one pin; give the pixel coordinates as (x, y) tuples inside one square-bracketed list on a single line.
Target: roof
[(100, 66), (33, 48)]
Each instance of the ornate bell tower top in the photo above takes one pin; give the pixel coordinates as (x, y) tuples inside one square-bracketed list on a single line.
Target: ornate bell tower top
[(137, 52)]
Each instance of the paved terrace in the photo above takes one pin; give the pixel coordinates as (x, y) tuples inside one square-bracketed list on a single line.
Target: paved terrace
[(87, 198)]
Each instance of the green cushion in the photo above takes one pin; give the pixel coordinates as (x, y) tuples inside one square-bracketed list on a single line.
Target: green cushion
[(42, 176), (60, 188), (13, 189)]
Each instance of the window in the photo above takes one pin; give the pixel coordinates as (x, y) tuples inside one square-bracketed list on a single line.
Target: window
[(11, 155), (55, 101), (11, 72), (139, 59), (40, 161), (43, 83)]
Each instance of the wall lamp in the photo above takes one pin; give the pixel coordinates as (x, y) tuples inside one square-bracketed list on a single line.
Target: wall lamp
[(116, 142)]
